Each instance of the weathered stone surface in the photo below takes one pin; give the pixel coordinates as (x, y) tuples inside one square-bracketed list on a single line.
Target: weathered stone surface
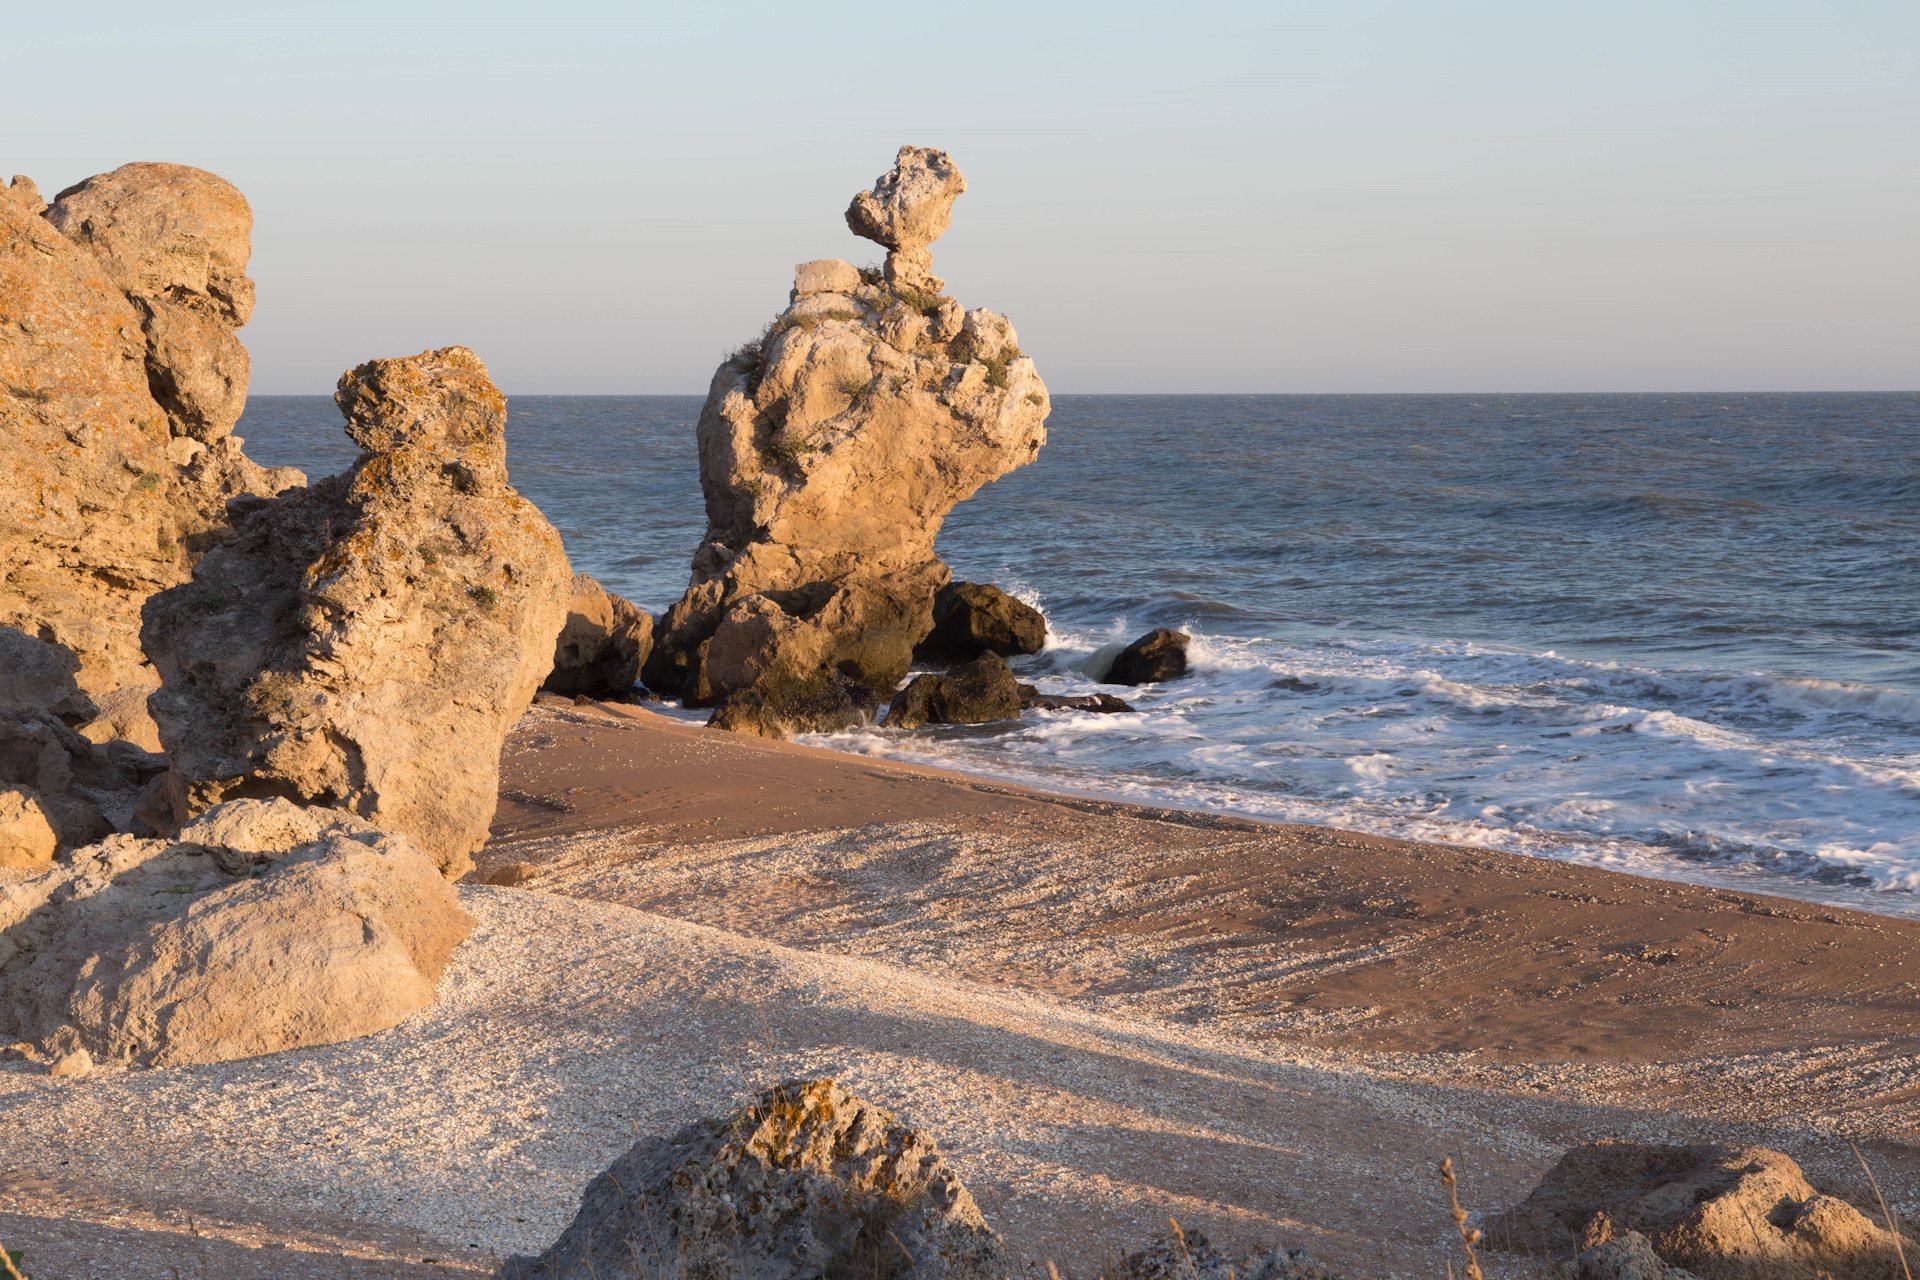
[(830, 452), (26, 837), (909, 207), (808, 1180), (367, 642), (1628, 1256), (826, 275), (1191, 1256), (601, 648), (972, 618), (1159, 655), (147, 952), (1720, 1212), (974, 693), (120, 378)]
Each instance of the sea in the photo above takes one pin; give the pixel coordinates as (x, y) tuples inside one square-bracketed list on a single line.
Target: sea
[(1671, 634)]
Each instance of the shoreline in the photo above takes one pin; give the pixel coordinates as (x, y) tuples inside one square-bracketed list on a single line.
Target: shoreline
[(1105, 1014)]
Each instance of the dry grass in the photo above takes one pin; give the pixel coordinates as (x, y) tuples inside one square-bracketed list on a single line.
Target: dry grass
[(10, 1260), (1469, 1236)]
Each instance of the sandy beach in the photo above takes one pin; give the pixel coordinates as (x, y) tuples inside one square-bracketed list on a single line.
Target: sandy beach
[(1107, 1015)]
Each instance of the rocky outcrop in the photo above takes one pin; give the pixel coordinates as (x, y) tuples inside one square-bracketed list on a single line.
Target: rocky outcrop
[(975, 693), (1628, 1256), (366, 643), (1720, 1212), (602, 646), (830, 452), (265, 927), (26, 836), (121, 379), (1190, 1256), (973, 618), (807, 1180), (1159, 655)]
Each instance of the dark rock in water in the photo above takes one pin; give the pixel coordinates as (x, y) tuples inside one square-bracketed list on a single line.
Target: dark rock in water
[(1103, 703), (603, 645), (972, 618), (1191, 1256), (807, 1180), (1158, 655), (979, 691), (1696, 1208), (781, 706)]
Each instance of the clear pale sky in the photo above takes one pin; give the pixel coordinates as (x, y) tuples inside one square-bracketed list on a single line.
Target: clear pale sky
[(1340, 196)]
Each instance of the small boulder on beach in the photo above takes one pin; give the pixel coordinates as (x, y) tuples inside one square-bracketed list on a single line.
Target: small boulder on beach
[(977, 692), (1157, 656)]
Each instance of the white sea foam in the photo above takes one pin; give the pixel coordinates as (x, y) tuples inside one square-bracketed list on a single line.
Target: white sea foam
[(1690, 775)]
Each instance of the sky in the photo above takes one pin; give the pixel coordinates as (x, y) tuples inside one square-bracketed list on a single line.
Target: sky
[(1354, 196)]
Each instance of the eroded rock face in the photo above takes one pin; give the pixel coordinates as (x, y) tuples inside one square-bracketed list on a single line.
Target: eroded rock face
[(808, 1180), (366, 643), (830, 453), (120, 382), (603, 645), (260, 930), (909, 207), (1720, 1212)]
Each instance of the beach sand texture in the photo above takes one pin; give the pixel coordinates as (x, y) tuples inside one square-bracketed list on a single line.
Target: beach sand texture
[(1106, 1015)]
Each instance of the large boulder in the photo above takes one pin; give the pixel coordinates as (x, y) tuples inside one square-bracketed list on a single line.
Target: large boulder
[(264, 927), (1720, 1212), (972, 618), (120, 381), (603, 645), (807, 1180), (830, 452), (27, 839), (1159, 655), (366, 643), (909, 207), (975, 693)]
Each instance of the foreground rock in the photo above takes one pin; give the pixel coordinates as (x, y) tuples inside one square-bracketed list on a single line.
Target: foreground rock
[(266, 926), (1191, 1256), (121, 379), (807, 1180), (1719, 1212), (367, 642), (602, 646), (830, 452), (1031, 699), (973, 618), (1156, 656), (978, 692)]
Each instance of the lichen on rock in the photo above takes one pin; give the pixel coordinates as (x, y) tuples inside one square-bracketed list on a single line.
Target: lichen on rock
[(366, 643), (806, 1180), (831, 450)]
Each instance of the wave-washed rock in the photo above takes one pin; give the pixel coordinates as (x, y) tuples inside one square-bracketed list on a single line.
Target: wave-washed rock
[(831, 450), (976, 692), (366, 643), (973, 618), (1159, 655), (264, 926), (1718, 1212)]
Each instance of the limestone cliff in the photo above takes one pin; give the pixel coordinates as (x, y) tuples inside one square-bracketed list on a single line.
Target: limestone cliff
[(121, 379), (831, 450)]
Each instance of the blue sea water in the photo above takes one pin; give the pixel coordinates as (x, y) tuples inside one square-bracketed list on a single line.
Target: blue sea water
[(1678, 634)]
